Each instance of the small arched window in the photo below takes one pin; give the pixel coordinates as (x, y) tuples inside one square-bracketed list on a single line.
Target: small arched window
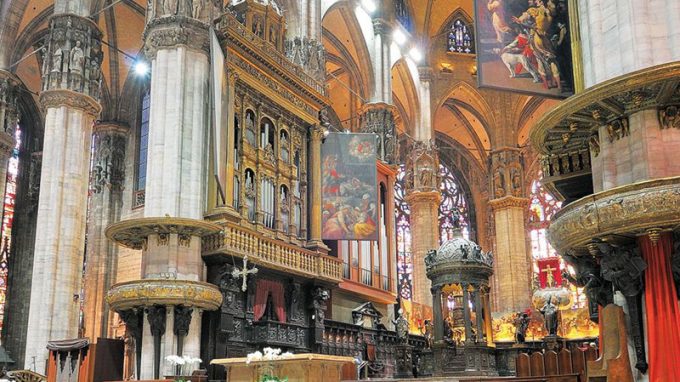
[(460, 39)]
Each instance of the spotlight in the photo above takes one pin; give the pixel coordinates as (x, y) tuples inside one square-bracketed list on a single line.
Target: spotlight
[(369, 6), (399, 37), (141, 68), (326, 132), (415, 54)]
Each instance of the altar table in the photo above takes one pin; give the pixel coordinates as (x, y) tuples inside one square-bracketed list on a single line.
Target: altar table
[(298, 368)]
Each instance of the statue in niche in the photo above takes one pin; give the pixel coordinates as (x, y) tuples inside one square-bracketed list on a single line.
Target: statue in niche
[(425, 177), (57, 60), (257, 26), (169, 7), (196, 8), (293, 292), (499, 183), (516, 179), (550, 314), (521, 325), (273, 34)]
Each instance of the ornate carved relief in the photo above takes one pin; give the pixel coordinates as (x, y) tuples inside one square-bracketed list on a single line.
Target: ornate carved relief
[(169, 32), (182, 320), (201, 10), (617, 129), (379, 120), (422, 167), (108, 169), (568, 163), (309, 54), (506, 167), (669, 117), (319, 298), (74, 57), (9, 112)]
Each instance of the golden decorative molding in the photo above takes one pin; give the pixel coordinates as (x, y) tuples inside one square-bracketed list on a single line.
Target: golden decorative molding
[(635, 209), (602, 104), (138, 293), (508, 202), (133, 233)]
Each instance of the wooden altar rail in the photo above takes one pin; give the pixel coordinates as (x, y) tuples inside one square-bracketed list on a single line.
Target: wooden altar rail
[(273, 253)]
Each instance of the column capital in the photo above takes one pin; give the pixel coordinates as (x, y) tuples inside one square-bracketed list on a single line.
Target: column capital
[(173, 31), (71, 99), (378, 118), (506, 167), (422, 167), (381, 27), (73, 57), (508, 202), (110, 127), (425, 73)]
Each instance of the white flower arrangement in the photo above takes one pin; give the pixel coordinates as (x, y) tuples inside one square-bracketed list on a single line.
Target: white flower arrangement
[(187, 364), (270, 354)]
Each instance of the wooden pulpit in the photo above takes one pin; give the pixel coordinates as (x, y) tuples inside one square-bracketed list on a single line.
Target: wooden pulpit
[(78, 360)]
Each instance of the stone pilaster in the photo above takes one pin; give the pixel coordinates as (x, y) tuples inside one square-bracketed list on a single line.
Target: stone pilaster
[(423, 198), (70, 90), (106, 183), (378, 118), (317, 135), (512, 278)]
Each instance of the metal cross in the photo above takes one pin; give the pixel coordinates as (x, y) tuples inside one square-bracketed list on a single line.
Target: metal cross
[(236, 273)]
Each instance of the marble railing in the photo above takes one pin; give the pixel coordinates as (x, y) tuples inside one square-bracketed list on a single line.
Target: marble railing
[(229, 23), (272, 253)]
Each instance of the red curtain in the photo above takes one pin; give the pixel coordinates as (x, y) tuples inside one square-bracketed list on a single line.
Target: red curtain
[(262, 291), (662, 311)]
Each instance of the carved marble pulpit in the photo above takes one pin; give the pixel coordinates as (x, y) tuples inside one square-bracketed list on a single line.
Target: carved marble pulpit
[(297, 368)]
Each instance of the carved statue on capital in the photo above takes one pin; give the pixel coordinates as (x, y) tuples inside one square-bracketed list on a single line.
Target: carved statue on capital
[(379, 120), (422, 167), (506, 167), (108, 169), (73, 56), (587, 275), (319, 298)]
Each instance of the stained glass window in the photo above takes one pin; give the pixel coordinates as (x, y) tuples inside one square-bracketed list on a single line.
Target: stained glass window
[(460, 37), (542, 208), (453, 199), (143, 141), (7, 219)]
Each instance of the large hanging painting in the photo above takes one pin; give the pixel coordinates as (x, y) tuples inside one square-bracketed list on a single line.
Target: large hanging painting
[(524, 46), (349, 187)]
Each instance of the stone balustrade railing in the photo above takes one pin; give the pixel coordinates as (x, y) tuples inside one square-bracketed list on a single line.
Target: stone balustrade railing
[(273, 253)]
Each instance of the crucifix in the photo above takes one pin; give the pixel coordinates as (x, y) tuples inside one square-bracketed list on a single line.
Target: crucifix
[(236, 273), (549, 276)]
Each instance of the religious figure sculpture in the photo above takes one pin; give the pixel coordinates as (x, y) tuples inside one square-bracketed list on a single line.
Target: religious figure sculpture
[(551, 316), (401, 326), (319, 298), (623, 267), (196, 8), (169, 7), (521, 325), (182, 320), (293, 292), (428, 333), (57, 60)]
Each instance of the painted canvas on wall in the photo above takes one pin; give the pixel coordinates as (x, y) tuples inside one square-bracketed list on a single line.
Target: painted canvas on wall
[(524, 46), (349, 187)]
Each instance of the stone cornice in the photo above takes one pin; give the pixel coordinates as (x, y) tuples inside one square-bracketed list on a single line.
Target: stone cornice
[(62, 97), (508, 202), (570, 125), (133, 233), (629, 210), (149, 292), (172, 31)]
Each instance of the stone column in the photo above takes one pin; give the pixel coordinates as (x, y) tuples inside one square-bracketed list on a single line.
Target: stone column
[(466, 313), (109, 139), (176, 42), (438, 319), (509, 207), (479, 311), (317, 135), (71, 79), (423, 198)]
